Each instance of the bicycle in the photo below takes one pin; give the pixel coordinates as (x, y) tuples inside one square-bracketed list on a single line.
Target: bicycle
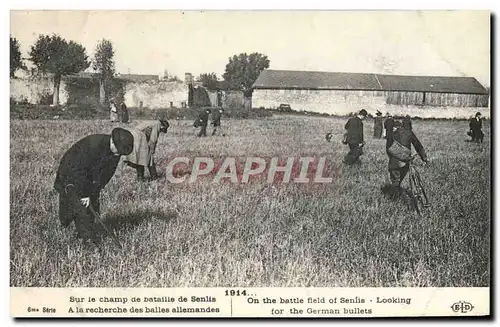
[(418, 195)]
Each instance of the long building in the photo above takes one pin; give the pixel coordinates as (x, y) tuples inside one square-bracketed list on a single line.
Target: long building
[(328, 91)]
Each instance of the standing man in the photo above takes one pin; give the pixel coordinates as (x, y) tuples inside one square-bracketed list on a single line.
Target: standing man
[(145, 140), (124, 113), (388, 124), (354, 137), (476, 126), (202, 122), (378, 125), (216, 117), (83, 172)]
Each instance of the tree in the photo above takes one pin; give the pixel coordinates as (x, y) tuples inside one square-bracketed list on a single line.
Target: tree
[(53, 54), (243, 69), (15, 56), (209, 81), (104, 64)]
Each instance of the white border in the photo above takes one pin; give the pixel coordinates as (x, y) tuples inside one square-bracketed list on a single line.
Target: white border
[(194, 5)]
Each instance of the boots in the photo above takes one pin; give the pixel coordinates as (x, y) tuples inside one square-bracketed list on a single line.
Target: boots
[(140, 173), (152, 171)]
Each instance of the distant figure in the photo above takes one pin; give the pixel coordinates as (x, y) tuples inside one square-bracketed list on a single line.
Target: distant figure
[(354, 137), (202, 122), (216, 117), (378, 125), (407, 122), (388, 124), (476, 126), (113, 111), (145, 140), (398, 145), (124, 113), (83, 172)]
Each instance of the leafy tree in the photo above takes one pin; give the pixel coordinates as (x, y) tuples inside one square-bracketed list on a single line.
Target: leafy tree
[(53, 54), (208, 80), (243, 69), (15, 56), (103, 63)]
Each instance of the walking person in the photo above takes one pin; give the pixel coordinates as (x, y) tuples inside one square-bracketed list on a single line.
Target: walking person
[(145, 141), (398, 146), (113, 113), (202, 122), (354, 137), (476, 125), (388, 124), (84, 170), (216, 118), (378, 125)]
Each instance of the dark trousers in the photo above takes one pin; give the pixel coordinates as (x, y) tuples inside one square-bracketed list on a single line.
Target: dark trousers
[(70, 208), (355, 151), (203, 131), (398, 174), (477, 136)]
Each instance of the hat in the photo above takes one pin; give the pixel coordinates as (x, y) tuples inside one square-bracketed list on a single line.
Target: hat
[(478, 114), (123, 140), (378, 113), (363, 112), (164, 122)]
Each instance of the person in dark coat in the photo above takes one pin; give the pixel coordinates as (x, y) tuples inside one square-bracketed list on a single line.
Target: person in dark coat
[(202, 122), (124, 113), (476, 126), (403, 134), (84, 170), (388, 124), (354, 137), (378, 125), (216, 118)]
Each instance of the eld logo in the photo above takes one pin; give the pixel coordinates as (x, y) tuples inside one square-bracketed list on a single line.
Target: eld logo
[(462, 307)]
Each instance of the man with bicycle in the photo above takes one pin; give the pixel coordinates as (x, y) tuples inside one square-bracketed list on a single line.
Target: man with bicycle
[(400, 138)]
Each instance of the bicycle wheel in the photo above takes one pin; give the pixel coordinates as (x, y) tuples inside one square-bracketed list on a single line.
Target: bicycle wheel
[(414, 193), (420, 186)]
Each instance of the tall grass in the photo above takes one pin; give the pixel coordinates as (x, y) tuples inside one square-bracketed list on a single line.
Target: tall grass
[(345, 233)]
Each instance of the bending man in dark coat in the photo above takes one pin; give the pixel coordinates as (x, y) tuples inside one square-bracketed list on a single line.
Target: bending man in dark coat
[(378, 126), (84, 171), (398, 169), (355, 139)]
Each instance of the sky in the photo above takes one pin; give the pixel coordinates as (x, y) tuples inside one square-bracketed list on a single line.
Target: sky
[(445, 43)]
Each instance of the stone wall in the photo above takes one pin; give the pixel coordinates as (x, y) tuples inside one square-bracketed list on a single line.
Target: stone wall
[(346, 102)]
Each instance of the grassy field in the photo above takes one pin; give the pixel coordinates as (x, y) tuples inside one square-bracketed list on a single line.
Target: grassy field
[(342, 234)]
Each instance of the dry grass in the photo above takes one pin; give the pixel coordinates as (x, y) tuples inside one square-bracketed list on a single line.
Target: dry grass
[(340, 234)]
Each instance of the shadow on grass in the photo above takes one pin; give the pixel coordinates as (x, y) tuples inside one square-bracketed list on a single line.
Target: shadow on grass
[(123, 222), (401, 195)]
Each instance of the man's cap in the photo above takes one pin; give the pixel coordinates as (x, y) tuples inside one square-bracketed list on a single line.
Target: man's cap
[(363, 112), (378, 113), (478, 113), (123, 140), (164, 123)]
